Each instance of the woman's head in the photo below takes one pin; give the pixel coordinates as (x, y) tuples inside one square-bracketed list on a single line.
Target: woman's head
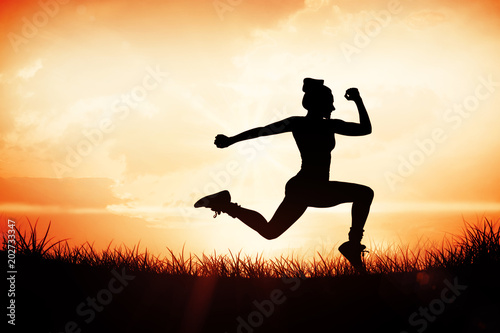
[(318, 98)]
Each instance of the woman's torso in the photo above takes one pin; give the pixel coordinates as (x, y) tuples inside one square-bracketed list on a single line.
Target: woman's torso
[(315, 139)]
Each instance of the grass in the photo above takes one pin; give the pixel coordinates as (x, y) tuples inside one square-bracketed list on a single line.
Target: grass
[(32, 244), (479, 244), (57, 281)]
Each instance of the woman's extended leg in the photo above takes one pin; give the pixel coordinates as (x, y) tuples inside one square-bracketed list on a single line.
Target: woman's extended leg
[(287, 214)]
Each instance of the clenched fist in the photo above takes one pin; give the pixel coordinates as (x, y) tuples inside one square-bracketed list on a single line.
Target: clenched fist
[(352, 94), (222, 141)]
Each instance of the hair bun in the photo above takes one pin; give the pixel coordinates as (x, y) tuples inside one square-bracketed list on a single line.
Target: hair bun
[(311, 84)]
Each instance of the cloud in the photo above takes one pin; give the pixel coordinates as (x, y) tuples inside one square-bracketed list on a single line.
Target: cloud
[(71, 193), (425, 19), (29, 71)]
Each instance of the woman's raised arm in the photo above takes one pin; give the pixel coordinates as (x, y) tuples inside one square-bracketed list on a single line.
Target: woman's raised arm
[(364, 126)]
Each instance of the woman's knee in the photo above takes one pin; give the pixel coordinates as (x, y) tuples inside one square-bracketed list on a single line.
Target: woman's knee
[(270, 234), (367, 193)]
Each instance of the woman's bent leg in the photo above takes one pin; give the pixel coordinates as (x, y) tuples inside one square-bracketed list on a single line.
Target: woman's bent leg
[(361, 206), (334, 193)]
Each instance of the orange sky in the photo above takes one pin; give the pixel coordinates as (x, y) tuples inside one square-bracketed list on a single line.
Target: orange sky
[(109, 110)]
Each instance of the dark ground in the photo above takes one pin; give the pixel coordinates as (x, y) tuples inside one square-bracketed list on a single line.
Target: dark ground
[(56, 297)]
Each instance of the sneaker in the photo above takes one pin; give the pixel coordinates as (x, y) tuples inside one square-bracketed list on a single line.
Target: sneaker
[(217, 202), (352, 252)]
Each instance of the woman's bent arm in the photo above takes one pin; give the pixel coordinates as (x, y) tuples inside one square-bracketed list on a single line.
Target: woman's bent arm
[(364, 127)]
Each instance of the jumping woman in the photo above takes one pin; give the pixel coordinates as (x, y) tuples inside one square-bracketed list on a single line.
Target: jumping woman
[(311, 187)]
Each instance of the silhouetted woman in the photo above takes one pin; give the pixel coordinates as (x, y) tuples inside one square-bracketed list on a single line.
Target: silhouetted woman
[(311, 187)]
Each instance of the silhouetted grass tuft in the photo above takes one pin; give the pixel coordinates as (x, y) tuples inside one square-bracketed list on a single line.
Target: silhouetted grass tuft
[(478, 245), (31, 244)]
